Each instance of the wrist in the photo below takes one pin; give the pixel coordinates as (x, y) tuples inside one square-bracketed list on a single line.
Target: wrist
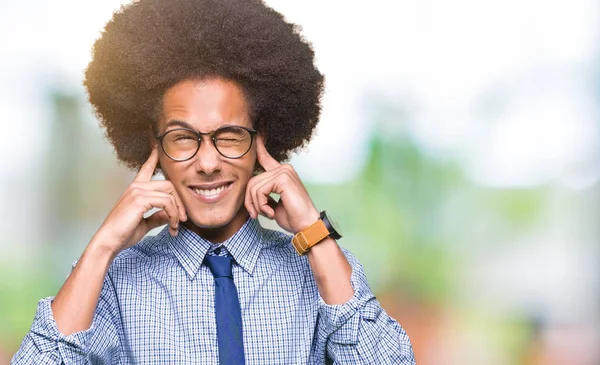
[(101, 250), (315, 233), (307, 220)]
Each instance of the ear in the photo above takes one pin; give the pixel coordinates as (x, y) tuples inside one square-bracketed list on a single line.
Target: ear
[(264, 137), (153, 142), (151, 137)]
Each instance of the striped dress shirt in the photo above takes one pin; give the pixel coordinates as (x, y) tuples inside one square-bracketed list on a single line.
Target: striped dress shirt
[(157, 307)]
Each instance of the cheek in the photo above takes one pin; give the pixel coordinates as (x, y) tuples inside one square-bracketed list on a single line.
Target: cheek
[(252, 163), (164, 167), (248, 167), (171, 170)]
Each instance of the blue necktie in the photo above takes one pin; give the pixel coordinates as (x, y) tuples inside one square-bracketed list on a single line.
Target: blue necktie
[(227, 311)]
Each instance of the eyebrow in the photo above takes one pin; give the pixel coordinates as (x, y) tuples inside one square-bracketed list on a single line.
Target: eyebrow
[(179, 123)]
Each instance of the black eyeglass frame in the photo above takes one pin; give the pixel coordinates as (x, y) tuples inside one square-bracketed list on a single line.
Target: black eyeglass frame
[(252, 132)]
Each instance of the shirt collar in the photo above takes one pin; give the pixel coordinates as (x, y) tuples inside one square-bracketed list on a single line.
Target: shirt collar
[(244, 246)]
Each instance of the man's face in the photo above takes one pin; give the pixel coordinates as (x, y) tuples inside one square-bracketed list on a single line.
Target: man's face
[(211, 186)]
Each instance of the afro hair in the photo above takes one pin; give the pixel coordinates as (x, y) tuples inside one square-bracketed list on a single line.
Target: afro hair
[(150, 45)]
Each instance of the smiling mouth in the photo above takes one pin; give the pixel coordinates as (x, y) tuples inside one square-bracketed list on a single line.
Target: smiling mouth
[(212, 192)]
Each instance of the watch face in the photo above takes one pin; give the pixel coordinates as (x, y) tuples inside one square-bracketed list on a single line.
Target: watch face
[(332, 226)]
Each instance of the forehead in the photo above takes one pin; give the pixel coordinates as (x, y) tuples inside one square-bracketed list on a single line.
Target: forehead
[(205, 104)]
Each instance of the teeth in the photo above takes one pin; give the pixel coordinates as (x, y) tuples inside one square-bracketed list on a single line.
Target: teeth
[(209, 192)]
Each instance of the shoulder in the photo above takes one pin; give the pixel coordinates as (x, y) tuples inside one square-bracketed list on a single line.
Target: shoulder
[(150, 251), (278, 246), (278, 242)]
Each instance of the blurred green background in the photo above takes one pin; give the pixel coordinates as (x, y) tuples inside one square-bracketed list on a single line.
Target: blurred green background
[(458, 149)]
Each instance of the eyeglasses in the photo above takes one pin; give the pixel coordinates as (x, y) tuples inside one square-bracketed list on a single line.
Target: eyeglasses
[(182, 144)]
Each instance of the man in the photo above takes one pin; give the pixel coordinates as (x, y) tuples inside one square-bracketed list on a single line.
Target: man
[(215, 93)]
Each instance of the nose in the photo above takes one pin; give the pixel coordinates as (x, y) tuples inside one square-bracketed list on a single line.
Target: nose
[(207, 159)]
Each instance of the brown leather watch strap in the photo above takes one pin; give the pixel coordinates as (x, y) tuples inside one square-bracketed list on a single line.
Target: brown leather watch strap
[(308, 237)]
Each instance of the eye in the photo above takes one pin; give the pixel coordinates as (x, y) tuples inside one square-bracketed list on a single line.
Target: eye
[(179, 137), (232, 134)]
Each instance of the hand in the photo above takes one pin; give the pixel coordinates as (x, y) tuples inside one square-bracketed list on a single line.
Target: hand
[(295, 210), (125, 225)]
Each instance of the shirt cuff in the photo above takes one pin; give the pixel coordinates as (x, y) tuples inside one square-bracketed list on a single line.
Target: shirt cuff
[(46, 336)]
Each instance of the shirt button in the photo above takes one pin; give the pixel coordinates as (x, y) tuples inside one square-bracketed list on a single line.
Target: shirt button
[(217, 251)]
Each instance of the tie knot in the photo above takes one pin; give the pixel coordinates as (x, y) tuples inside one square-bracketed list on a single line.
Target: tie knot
[(220, 266)]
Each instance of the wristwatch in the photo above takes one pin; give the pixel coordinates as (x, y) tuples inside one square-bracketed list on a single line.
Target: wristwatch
[(317, 232)]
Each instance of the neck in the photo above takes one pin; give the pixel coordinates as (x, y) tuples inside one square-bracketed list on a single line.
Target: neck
[(220, 234)]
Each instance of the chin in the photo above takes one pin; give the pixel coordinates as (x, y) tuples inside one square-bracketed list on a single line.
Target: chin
[(217, 227), (218, 217), (211, 221)]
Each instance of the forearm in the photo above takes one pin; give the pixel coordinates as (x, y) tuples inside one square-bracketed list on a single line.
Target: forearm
[(331, 271), (62, 332), (370, 336), (360, 331), (74, 306)]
